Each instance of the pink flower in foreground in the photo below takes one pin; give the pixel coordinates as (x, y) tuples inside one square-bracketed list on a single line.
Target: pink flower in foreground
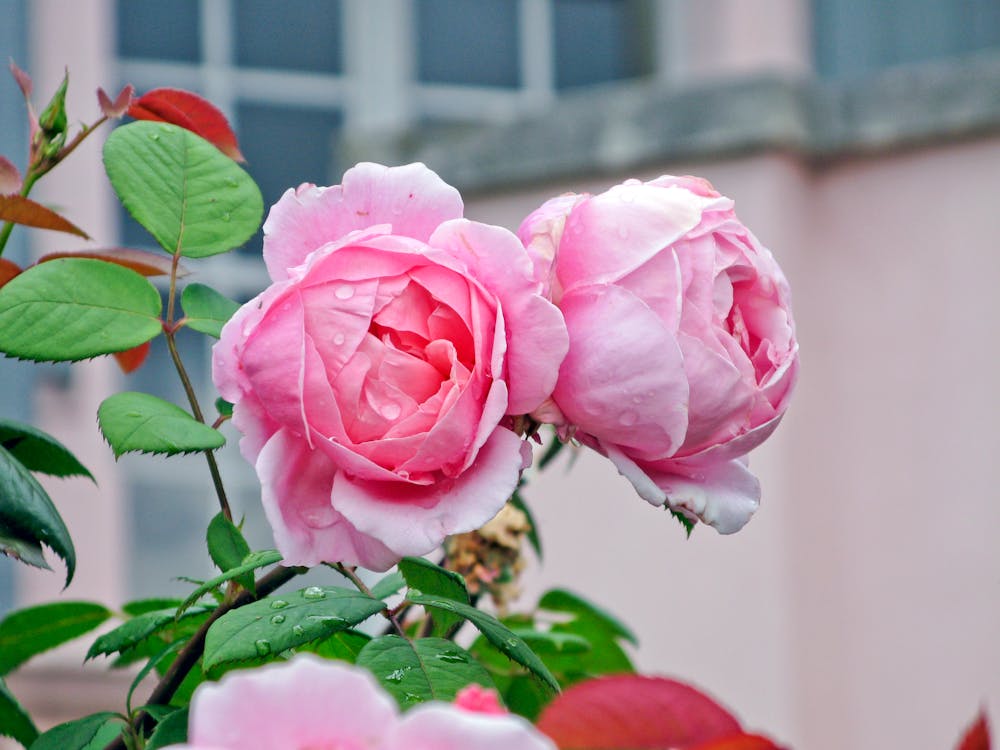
[(309, 703), (372, 379), (682, 347)]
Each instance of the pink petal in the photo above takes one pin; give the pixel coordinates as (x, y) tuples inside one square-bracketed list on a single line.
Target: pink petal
[(611, 234), (413, 520), (296, 483), (541, 232), (412, 198), (536, 335), (304, 703), (435, 726), (723, 495), (623, 380)]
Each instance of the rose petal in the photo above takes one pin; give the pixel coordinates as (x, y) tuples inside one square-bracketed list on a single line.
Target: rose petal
[(723, 495), (623, 380), (442, 727), (412, 198), (296, 482), (303, 703), (413, 520)]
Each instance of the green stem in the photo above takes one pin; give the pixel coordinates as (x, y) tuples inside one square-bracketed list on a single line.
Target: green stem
[(350, 574), (29, 182), (188, 656)]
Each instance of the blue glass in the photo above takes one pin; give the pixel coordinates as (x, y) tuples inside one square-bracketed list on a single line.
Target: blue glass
[(297, 35), (159, 30), (471, 43), (598, 41)]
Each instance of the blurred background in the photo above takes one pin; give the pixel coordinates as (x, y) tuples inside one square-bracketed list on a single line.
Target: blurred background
[(860, 140)]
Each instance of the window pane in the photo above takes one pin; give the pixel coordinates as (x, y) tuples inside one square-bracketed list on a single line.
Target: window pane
[(600, 40), (859, 37), (300, 35), (464, 42), (158, 30)]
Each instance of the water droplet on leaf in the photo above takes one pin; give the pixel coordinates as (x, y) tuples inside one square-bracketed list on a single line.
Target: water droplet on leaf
[(277, 619), (263, 647), (298, 630), (279, 604), (314, 592)]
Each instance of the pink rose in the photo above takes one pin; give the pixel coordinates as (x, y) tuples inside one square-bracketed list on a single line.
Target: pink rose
[(682, 347), (372, 381), (313, 703)]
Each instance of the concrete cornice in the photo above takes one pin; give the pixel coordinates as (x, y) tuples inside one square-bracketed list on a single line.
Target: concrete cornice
[(613, 129)]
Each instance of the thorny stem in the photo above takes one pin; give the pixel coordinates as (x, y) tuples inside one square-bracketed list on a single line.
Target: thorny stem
[(169, 332), (188, 656), (351, 574)]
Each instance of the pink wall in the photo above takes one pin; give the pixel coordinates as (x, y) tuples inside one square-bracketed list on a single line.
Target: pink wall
[(860, 608)]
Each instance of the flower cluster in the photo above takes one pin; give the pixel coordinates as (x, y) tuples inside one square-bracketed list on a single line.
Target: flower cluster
[(313, 703), (380, 380)]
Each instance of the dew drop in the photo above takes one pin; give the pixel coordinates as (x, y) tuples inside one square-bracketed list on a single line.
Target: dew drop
[(227, 217), (314, 592), (396, 675), (511, 643), (231, 182), (263, 647), (154, 136), (298, 630), (277, 619), (628, 418), (391, 410), (344, 291), (451, 657), (338, 339), (319, 518), (279, 604), (411, 698)]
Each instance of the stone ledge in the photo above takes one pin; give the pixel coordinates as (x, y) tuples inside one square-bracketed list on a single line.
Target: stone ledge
[(613, 129)]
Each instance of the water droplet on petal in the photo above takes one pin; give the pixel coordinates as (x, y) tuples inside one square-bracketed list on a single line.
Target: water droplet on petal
[(628, 418), (279, 604), (390, 410), (319, 518), (338, 339), (263, 647), (314, 592), (277, 619), (344, 291)]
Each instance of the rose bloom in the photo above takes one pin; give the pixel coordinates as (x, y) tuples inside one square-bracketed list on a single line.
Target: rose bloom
[(312, 704), (682, 347), (375, 380)]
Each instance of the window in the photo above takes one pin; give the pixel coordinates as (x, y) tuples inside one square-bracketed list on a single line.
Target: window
[(854, 38)]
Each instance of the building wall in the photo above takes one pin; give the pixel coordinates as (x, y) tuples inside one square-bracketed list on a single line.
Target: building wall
[(859, 608)]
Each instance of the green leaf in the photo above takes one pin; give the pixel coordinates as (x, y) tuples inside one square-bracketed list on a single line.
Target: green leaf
[(189, 195), (172, 730), (429, 578), (344, 645), (89, 733), (683, 520), (389, 585), (252, 561), (133, 631), (150, 665), (140, 422), (228, 548), (25, 633), (205, 310), (28, 518), (526, 697), (512, 646), (561, 600), (142, 606), (278, 623), (421, 670), (224, 408), (38, 451), (14, 720), (70, 309)]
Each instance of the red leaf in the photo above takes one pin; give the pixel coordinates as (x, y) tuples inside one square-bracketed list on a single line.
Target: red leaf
[(740, 742), (22, 78), (131, 360), (10, 178), (119, 106), (141, 261), (8, 270), (633, 712), (21, 210), (189, 111), (977, 737)]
